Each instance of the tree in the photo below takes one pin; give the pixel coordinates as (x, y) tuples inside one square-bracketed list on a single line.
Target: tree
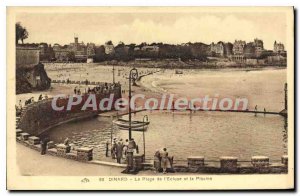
[(71, 56), (21, 33)]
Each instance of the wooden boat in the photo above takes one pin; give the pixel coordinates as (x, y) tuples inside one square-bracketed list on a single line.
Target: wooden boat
[(135, 125), (135, 129)]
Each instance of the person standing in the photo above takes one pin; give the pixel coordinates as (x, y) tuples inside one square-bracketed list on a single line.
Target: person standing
[(67, 142), (106, 149), (119, 152), (132, 144), (125, 148), (157, 161), (113, 149), (44, 143), (40, 97), (164, 160), (130, 152)]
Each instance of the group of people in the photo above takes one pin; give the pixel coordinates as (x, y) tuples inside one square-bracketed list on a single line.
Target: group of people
[(77, 91), (19, 107), (97, 89), (255, 109), (162, 161), (120, 149), (41, 97)]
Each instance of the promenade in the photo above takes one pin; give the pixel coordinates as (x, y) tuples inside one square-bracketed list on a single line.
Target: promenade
[(32, 163)]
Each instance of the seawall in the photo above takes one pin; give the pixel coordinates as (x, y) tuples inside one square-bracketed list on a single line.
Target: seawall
[(40, 116)]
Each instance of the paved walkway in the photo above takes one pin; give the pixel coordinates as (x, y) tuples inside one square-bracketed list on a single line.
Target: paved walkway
[(31, 163)]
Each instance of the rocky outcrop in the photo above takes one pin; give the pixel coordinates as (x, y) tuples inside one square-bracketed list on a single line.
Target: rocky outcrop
[(32, 78)]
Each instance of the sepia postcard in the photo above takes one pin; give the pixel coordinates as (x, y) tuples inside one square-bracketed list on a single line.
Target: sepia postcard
[(150, 98)]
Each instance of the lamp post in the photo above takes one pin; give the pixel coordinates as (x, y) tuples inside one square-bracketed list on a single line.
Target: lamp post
[(145, 119), (113, 70), (133, 75)]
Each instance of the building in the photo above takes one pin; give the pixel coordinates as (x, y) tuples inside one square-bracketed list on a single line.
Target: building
[(218, 49), (43, 49), (154, 49), (238, 47), (249, 51), (228, 49), (278, 47), (61, 53), (259, 47), (46, 52), (277, 59), (238, 51), (90, 49), (89, 60), (251, 61), (137, 48)]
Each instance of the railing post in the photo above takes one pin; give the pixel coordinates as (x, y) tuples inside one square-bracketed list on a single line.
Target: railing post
[(228, 164)]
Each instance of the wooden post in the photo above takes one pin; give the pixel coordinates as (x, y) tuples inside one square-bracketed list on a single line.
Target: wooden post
[(285, 96)]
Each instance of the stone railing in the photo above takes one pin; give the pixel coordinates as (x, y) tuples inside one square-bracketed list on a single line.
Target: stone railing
[(80, 154), (195, 164), (228, 164)]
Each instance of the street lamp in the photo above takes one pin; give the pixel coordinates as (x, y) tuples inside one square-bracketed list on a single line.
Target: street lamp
[(113, 70), (133, 75), (145, 119)]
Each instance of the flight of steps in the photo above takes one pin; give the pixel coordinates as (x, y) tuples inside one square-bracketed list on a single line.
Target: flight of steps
[(19, 118)]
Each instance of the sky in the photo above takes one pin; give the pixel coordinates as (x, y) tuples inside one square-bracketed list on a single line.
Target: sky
[(173, 28)]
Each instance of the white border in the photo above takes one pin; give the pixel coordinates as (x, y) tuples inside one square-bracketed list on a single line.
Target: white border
[(5, 3)]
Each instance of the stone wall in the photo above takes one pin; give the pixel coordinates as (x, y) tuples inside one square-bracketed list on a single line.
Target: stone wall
[(27, 57), (39, 116), (60, 150), (30, 73)]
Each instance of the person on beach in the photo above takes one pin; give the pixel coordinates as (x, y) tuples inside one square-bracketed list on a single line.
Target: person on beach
[(40, 97), (119, 152), (164, 160), (157, 161), (255, 110)]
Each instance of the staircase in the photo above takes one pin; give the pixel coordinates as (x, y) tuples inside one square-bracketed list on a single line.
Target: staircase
[(20, 118)]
